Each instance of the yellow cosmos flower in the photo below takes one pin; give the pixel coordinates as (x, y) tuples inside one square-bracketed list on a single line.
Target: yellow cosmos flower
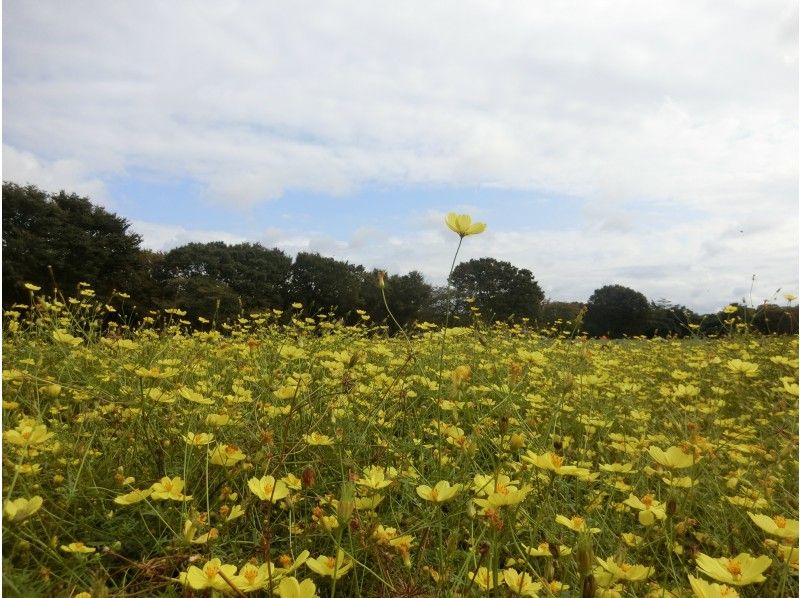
[(740, 570), (462, 225), (649, 508), (611, 571), (217, 419), (32, 287), (133, 497), (543, 549), (484, 579), (521, 584), (21, 508), (291, 588), (777, 526), (235, 512), (673, 457), (226, 455), (555, 463), (317, 439), (503, 496), (78, 547), (374, 478), (65, 338), (212, 575), (267, 488), (704, 589), (169, 489), (441, 492), (252, 578), (28, 433), (737, 366), (200, 439), (194, 396), (329, 566), (577, 524)]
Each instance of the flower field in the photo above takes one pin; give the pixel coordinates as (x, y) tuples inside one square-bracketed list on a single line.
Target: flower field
[(297, 456)]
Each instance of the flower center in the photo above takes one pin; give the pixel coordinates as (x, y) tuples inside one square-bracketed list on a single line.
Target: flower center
[(501, 489), (734, 567), (577, 522), (330, 563), (251, 574), (434, 494), (780, 521), (556, 460), (267, 488), (647, 500), (211, 571)]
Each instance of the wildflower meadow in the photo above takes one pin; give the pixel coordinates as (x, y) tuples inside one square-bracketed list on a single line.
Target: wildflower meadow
[(286, 453)]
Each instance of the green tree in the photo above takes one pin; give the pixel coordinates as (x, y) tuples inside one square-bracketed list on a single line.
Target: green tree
[(669, 319), (202, 296), (81, 242), (565, 311), (406, 294), (501, 291), (775, 319), (322, 283), (616, 311), (256, 274)]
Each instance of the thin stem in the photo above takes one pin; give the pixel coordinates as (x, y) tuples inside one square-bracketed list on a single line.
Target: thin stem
[(441, 352)]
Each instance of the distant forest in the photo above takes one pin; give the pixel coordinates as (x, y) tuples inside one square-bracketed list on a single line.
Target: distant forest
[(59, 240)]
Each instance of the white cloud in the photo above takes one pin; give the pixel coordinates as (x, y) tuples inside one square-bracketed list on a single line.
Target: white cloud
[(683, 101), (163, 237), (684, 106), (69, 175)]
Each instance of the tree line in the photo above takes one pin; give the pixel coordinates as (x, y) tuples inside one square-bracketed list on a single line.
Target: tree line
[(60, 240)]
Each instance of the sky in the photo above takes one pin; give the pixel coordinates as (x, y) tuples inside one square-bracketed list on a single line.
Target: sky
[(648, 144)]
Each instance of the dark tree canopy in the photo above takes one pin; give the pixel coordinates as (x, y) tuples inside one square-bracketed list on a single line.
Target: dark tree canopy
[(256, 274), (669, 319), (616, 311), (407, 296), (565, 311), (500, 290), (322, 283), (80, 241)]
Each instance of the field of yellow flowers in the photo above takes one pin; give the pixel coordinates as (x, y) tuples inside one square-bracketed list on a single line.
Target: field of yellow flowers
[(288, 454), (296, 456)]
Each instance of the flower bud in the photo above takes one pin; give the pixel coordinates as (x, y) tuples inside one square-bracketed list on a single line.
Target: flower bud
[(672, 506), (585, 555), (517, 441), (347, 502)]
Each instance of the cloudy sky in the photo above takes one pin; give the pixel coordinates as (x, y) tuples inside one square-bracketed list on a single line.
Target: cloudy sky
[(650, 144)]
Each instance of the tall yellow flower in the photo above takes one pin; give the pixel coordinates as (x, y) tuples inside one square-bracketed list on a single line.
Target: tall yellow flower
[(462, 225)]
